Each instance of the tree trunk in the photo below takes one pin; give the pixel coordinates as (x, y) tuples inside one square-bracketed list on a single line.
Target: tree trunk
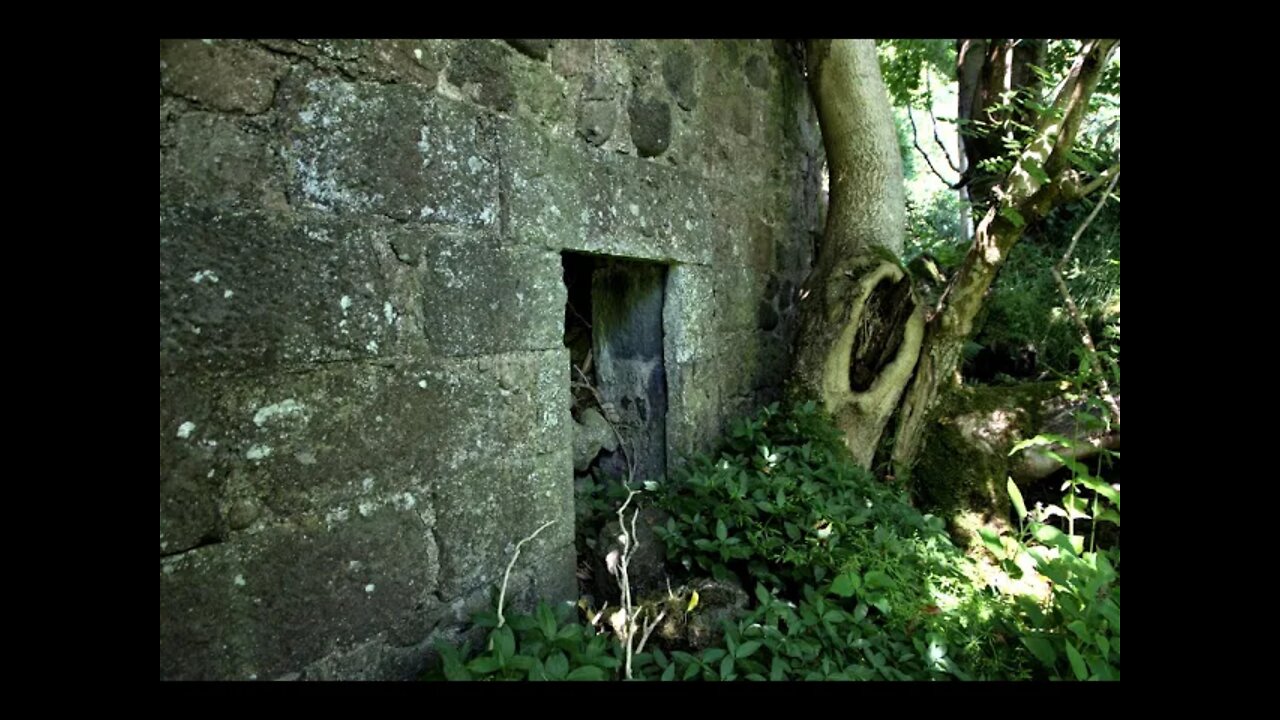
[(1024, 200), (986, 71), (860, 327)]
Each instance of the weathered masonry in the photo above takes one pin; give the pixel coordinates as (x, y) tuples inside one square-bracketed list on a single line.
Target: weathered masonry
[(365, 381)]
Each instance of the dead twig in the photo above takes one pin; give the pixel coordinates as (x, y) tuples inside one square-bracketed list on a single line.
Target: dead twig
[(1085, 336), (502, 594)]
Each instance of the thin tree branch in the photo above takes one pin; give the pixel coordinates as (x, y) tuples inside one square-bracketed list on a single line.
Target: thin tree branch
[(1109, 174), (929, 106), (1115, 124), (1085, 336), (915, 140)]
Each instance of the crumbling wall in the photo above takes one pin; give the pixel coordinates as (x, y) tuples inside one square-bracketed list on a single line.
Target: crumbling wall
[(364, 390)]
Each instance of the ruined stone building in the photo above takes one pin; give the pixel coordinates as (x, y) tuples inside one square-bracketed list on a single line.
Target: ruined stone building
[(379, 261)]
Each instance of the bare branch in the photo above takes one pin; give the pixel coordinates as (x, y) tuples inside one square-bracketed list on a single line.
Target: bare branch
[(929, 106), (648, 630), (1115, 125), (1085, 336), (915, 140), (1109, 174), (502, 595)]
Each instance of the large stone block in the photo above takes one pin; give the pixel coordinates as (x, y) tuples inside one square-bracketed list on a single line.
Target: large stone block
[(573, 197), (337, 441), (738, 291), (689, 315), (482, 68), (395, 150), (291, 595), (252, 290), (485, 508), (213, 159), (478, 297), (693, 413), (415, 62), (190, 488), (226, 75)]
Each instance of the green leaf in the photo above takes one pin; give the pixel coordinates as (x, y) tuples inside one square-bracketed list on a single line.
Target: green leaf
[(1012, 568), (877, 579), (711, 655), (1103, 644), (587, 672), (1076, 507), (860, 612), (1110, 516), (834, 616), (747, 649), (1111, 611), (1015, 495), (778, 669), (1042, 649), (1052, 536), (1102, 670), (521, 662), (1077, 662), (669, 674), (846, 584), (557, 666), (660, 658), (484, 665), (1013, 216), (504, 642), (546, 621), (726, 667), (722, 532), (453, 667), (992, 541), (1102, 488), (1034, 170)]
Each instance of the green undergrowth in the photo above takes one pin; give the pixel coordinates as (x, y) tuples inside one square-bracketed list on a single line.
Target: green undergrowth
[(847, 581)]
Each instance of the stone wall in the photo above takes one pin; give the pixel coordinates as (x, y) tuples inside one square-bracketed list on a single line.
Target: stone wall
[(364, 389)]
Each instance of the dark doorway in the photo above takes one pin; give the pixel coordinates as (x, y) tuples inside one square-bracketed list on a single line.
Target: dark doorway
[(613, 329)]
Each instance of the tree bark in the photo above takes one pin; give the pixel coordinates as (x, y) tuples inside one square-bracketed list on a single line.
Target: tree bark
[(860, 327), (986, 71)]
